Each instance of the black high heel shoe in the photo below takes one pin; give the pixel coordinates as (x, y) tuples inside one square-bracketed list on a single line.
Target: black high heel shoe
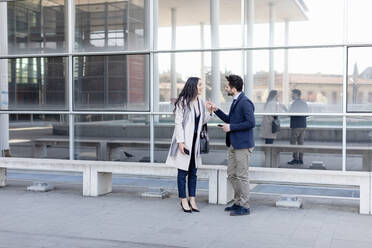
[(184, 210), (194, 209)]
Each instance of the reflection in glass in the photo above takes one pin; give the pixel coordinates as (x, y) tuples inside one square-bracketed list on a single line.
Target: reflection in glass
[(358, 143), (111, 82), (184, 24), (172, 79), (358, 19), (299, 22), (39, 136), (359, 80), (36, 25), (164, 127), (112, 138), (110, 25), (322, 144), (317, 73), (37, 83)]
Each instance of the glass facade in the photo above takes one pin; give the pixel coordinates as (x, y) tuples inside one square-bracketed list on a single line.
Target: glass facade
[(39, 135), (114, 82), (36, 26), (110, 25), (37, 83), (105, 73)]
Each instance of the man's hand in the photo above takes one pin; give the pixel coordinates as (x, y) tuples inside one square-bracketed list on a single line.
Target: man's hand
[(226, 128), (211, 106)]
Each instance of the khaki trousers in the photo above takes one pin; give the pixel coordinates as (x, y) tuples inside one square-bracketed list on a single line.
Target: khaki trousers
[(237, 174), (297, 138)]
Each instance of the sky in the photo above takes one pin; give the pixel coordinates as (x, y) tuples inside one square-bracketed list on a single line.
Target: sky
[(329, 22)]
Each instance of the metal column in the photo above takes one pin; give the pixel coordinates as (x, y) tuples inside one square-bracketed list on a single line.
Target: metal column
[(4, 118), (271, 43), (173, 56), (249, 81), (215, 39)]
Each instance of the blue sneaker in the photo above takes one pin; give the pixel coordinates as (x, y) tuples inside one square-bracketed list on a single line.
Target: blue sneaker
[(232, 208), (240, 211)]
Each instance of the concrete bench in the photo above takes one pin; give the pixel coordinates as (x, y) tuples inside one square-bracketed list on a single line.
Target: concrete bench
[(101, 175), (103, 146), (97, 176), (46, 165), (272, 152), (298, 176)]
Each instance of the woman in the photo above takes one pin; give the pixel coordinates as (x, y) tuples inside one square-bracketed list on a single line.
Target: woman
[(190, 115), (271, 106)]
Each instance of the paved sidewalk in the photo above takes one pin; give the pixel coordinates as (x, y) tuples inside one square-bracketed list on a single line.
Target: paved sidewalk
[(64, 218)]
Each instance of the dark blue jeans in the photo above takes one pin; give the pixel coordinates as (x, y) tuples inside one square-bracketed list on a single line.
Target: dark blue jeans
[(191, 173)]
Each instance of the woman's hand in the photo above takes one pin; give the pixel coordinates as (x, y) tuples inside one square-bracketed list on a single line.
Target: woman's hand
[(181, 147)]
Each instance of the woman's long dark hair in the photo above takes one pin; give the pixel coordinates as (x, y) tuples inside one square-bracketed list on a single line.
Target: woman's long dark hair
[(270, 97), (189, 92)]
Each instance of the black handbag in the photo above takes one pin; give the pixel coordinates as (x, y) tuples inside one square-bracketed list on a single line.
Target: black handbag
[(204, 140), (275, 125)]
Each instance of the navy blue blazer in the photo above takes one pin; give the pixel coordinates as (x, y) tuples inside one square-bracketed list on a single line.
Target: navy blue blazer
[(242, 121), (298, 105)]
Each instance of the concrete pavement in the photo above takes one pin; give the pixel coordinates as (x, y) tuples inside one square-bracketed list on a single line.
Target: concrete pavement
[(63, 218)]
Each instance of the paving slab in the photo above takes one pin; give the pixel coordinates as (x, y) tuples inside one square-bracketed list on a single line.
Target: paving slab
[(64, 218)]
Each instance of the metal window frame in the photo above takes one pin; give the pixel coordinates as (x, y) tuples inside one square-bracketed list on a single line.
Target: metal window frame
[(152, 50)]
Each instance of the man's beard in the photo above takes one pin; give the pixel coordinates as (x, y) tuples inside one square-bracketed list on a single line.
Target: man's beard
[(230, 93)]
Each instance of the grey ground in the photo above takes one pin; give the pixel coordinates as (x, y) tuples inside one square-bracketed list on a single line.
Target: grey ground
[(64, 218)]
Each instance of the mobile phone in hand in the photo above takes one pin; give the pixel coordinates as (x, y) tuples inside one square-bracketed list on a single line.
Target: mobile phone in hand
[(186, 151), (220, 125)]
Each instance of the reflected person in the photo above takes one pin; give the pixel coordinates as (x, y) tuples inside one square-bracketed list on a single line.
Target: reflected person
[(297, 125), (271, 106)]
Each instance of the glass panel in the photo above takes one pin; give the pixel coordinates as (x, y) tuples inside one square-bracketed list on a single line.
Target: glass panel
[(359, 143), (36, 26), (359, 79), (118, 82), (359, 17), (110, 25), (164, 127), (321, 149), (191, 22), (191, 65), (112, 138), (37, 83), (231, 30), (317, 73), (36, 136), (309, 22)]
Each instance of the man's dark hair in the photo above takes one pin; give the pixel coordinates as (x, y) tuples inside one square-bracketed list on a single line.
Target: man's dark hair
[(296, 92), (235, 82)]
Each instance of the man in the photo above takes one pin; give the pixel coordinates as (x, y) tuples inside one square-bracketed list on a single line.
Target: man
[(240, 142), (297, 125)]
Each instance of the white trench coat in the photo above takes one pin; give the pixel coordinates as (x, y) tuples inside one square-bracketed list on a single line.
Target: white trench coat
[(184, 132)]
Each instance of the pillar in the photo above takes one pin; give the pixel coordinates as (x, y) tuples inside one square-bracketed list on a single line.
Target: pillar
[(271, 43), (4, 118), (249, 81), (202, 72), (215, 36), (285, 89), (173, 56)]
